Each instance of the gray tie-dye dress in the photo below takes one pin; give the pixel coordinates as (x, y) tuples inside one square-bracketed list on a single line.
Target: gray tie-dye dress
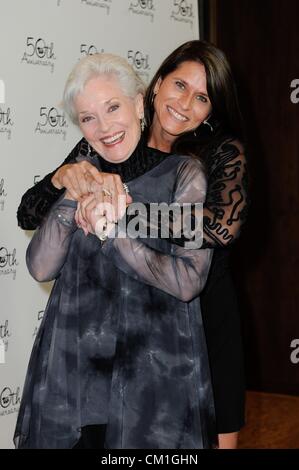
[(122, 339)]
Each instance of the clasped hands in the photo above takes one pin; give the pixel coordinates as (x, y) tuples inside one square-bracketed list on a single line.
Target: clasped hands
[(102, 197)]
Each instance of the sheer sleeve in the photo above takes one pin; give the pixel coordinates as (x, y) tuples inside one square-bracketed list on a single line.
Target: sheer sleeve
[(49, 246), (183, 272), (38, 200), (226, 204)]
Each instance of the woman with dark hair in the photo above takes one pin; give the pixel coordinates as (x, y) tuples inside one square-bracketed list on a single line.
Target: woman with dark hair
[(191, 108), (225, 117), (218, 142)]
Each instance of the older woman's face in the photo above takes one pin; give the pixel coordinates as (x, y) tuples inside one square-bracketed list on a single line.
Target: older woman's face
[(109, 120), (181, 102)]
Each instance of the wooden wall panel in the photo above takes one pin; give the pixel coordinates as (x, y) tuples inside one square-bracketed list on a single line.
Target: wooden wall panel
[(261, 40)]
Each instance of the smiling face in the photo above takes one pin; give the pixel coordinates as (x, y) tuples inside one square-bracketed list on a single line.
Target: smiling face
[(108, 119), (181, 101)]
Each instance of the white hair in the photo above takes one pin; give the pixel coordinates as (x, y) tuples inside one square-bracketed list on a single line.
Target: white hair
[(96, 65)]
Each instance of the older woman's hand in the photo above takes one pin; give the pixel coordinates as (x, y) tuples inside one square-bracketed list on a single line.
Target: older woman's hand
[(102, 206), (84, 213), (112, 198), (89, 216)]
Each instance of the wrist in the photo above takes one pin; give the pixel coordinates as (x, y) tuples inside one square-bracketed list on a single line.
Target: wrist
[(55, 181), (67, 195), (104, 229)]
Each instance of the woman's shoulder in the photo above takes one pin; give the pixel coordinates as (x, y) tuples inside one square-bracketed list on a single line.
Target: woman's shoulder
[(229, 144), (175, 167), (191, 171), (223, 152), (178, 162), (192, 162), (186, 166)]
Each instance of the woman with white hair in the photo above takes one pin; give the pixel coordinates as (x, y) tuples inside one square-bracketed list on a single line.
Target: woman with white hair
[(120, 360)]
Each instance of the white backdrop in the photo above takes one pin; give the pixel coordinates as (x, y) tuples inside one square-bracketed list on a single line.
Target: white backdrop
[(40, 41)]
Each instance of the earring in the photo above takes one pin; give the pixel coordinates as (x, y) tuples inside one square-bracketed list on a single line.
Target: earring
[(153, 97), (195, 135), (206, 122), (142, 124), (88, 150)]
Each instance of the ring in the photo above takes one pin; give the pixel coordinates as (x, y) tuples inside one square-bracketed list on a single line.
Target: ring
[(101, 232), (106, 192), (103, 237), (125, 186)]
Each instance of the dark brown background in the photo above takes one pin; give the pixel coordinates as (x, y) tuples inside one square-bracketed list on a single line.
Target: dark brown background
[(261, 40)]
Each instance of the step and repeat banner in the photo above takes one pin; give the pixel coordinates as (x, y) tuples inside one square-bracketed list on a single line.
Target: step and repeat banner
[(40, 41)]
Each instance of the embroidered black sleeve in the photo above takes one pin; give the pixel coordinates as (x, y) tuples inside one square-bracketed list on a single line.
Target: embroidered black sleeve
[(38, 200), (226, 204)]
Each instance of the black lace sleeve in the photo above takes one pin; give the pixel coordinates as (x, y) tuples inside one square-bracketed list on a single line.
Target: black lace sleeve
[(38, 200), (226, 204)]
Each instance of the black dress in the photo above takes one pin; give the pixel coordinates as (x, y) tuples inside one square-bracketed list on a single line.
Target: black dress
[(225, 212), (122, 341), (226, 209)]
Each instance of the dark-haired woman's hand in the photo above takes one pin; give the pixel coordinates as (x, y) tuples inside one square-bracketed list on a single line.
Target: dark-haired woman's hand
[(77, 178)]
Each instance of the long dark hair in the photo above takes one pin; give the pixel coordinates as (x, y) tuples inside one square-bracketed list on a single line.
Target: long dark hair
[(225, 117)]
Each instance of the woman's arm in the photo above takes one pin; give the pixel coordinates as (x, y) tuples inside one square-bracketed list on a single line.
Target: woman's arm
[(49, 246), (78, 178), (226, 204), (184, 272), (38, 200)]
